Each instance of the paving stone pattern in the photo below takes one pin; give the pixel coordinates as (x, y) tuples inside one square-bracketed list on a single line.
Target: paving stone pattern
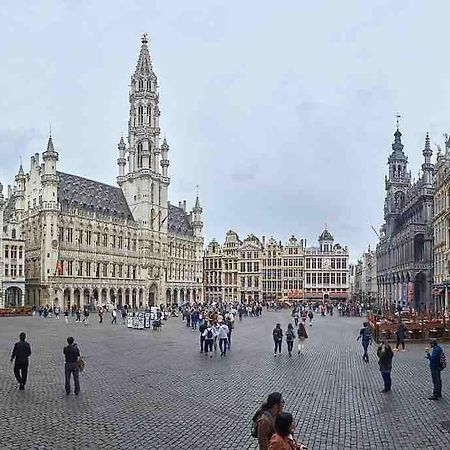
[(154, 390)]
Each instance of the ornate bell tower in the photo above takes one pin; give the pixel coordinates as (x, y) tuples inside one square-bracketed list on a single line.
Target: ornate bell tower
[(396, 183), (145, 184)]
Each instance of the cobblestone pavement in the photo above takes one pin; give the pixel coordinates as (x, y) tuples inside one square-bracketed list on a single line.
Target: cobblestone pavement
[(154, 390)]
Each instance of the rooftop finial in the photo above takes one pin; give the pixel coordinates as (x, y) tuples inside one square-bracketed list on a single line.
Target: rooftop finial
[(398, 117), (144, 38)]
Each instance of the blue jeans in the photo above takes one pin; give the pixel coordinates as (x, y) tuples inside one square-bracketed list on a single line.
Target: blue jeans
[(365, 345), (437, 382), (223, 344), (387, 380)]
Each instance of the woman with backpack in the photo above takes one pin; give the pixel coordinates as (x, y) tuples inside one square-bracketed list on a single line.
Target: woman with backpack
[(277, 334), (290, 336), (263, 426), (302, 335)]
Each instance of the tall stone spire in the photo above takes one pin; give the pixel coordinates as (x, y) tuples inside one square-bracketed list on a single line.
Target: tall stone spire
[(144, 64)]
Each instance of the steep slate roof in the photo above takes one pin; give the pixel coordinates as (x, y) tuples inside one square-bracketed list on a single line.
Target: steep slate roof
[(89, 195), (10, 209), (178, 222)]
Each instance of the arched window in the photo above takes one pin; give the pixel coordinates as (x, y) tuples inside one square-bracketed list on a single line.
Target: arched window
[(141, 85), (139, 155), (149, 114), (13, 233), (140, 115)]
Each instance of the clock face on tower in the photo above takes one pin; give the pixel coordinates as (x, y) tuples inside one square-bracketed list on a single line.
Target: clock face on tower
[(326, 263)]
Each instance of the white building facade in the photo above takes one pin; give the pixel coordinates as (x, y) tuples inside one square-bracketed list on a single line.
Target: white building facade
[(90, 243)]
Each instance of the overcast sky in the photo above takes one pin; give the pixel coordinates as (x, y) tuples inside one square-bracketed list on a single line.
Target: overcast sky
[(283, 112)]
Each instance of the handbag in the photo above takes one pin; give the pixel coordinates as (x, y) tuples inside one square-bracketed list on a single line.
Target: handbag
[(81, 364)]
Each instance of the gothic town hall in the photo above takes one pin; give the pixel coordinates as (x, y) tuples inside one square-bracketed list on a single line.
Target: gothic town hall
[(90, 243)]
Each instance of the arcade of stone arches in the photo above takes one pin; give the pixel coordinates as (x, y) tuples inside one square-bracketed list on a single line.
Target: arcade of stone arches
[(135, 297)]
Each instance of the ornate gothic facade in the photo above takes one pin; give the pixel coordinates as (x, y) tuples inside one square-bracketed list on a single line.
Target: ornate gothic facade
[(404, 253), (91, 243)]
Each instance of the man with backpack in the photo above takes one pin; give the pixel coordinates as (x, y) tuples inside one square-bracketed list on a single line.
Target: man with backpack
[(277, 334), (209, 336), (263, 426), (437, 364), (366, 340)]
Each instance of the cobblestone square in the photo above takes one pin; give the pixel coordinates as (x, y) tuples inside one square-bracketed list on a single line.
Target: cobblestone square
[(154, 390)]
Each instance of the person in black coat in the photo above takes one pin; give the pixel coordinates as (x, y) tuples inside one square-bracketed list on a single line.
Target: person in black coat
[(385, 355), (20, 354)]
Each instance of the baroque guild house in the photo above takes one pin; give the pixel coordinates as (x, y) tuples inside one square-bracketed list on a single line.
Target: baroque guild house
[(87, 242)]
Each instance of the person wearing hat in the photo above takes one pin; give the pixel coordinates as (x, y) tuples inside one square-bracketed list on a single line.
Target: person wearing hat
[(435, 368), (20, 354)]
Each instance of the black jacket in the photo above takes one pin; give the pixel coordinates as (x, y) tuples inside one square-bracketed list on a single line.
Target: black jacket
[(71, 353), (385, 358), (21, 352)]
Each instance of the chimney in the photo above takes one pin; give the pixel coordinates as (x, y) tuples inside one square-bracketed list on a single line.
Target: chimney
[(179, 204), (264, 241), (184, 205), (36, 157)]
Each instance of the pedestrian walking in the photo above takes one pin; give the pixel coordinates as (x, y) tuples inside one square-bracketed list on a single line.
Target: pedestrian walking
[(86, 315), (209, 336), (263, 426), (222, 335), (277, 334), (366, 339), (203, 326), (72, 356), (100, 314), (400, 335), (437, 364), (78, 313), (114, 316), (385, 355), (302, 335), (283, 438), (20, 354), (57, 310), (290, 336), (124, 316), (216, 333), (66, 315), (311, 316), (230, 324), (296, 316)]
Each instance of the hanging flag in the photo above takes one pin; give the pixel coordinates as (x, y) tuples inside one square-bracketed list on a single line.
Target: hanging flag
[(59, 267)]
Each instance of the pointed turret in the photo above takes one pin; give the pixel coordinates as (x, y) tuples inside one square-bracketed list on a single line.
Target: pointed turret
[(20, 179), (427, 166), (197, 223), (50, 153), (121, 161)]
